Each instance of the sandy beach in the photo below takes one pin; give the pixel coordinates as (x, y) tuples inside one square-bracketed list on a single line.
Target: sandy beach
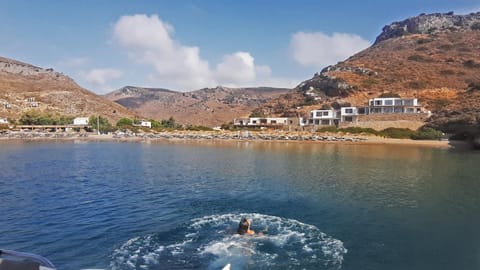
[(274, 136)]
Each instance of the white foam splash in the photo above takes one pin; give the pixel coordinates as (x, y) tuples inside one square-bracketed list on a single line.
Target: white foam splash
[(211, 242)]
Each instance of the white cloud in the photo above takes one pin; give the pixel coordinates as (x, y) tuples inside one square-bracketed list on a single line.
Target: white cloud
[(319, 50), (100, 77), (237, 68), (150, 41)]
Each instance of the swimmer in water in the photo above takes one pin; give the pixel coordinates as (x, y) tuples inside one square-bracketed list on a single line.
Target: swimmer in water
[(244, 227)]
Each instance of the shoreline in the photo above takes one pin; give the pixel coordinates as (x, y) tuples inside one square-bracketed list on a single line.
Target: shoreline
[(233, 136)]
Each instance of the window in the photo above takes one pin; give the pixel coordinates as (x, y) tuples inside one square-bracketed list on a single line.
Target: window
[(348, 119), (273, 122), (318, 114), (325, 122), (388, 102), (408, 102), (388, 110), (263, 121), (254, 121), (348, 110), (378, 102), (325, 113)]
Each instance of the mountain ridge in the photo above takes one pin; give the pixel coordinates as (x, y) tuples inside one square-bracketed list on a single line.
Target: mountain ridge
[(206, 106)]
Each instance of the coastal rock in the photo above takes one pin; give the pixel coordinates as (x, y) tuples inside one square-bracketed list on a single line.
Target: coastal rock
[(430, 23)]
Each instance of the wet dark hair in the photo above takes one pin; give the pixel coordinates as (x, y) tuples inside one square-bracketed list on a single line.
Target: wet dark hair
[(243, 226)]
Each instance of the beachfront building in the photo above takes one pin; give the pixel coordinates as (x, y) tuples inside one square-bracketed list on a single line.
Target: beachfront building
[(394, 105), (80, 121), (273, 122), (145, 123), (350, 114), (324, 117)]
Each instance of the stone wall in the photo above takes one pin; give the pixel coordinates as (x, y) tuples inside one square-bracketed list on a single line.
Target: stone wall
[(383, 121)]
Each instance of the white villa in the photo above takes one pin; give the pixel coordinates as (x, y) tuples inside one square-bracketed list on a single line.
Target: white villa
[(323, 117), (394, 105), (80, 121), (3, 121)]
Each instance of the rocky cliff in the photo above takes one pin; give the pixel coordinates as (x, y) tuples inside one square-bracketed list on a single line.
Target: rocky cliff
[(431, 24)]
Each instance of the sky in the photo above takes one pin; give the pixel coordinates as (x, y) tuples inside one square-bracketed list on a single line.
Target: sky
[(186, 45)]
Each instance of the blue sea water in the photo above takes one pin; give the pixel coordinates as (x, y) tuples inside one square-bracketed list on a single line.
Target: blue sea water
[(177, 205)]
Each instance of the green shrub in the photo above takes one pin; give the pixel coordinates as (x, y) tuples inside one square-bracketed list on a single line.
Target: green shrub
[(397, 133), (358, 130), (124, 122), (427, 133), (198, 128)]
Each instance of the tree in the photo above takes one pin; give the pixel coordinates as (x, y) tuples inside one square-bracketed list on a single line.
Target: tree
[(170, 123), (103, 125), (124, 122)]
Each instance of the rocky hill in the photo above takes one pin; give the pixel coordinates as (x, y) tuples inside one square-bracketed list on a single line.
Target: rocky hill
[(24, 87), (434, 57), (206, 107)]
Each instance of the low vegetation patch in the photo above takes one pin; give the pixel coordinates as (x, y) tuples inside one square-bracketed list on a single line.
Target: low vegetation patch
[(394, 133), (35, 117), (198, 128), (427, 133), (418, 58)]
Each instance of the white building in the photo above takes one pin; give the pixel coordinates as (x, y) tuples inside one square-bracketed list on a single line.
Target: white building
[(350, 114), (80, 121), (145, 123), (323, 118), (394, 105), (268, 122), (3, 121)]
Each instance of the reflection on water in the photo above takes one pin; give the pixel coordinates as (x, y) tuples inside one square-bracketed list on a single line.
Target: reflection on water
[(391, 207)]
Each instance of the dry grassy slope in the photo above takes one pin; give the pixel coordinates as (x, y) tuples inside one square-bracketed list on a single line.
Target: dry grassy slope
[(54, 92), (436, 68), (207, 107)]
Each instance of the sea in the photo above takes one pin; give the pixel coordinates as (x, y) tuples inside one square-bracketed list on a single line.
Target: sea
[(177, 205)]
